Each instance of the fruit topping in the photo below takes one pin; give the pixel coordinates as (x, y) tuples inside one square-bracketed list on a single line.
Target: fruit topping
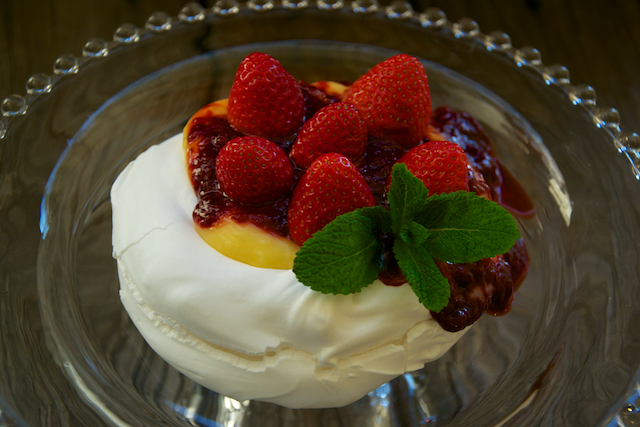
[(343, 222), (464, 130), (376, 166), (208, 132), (440, 165), (487, 285), (253, 171), (470, 285), (336, 128), (316, 97), (394, 100), (454, 228), (265, 99), (332, 186)]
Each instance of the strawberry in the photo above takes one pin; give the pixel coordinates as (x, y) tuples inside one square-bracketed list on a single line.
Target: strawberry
[(394, 100), (330, 187), (440, 165), (265, 99), (253, 171), (336, 128)]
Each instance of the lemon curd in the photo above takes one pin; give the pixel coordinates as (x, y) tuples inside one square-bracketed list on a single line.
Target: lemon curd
[(250, 244)]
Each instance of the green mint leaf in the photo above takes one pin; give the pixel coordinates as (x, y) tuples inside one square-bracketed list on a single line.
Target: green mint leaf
[(414, 234), (380, 217), (344, 256), (407, 197), (423, 275), (466, 228)]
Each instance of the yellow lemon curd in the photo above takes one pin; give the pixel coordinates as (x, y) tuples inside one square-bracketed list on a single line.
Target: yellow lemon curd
[(250, 244)]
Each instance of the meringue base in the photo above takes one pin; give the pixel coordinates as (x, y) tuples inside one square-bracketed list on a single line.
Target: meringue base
[(249, 332)]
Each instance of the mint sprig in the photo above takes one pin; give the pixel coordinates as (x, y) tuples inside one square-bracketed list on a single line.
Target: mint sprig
[(466, 228), (423, 275), (406, 199), (344, 256), (347, 254)]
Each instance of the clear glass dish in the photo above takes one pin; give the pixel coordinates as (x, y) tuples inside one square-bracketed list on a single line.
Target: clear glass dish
[(567, 354)]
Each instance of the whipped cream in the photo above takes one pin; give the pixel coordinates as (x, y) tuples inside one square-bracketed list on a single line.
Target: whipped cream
[(249, 332)]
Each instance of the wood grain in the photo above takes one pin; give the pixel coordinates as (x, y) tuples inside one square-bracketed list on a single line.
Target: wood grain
[(599, 42)]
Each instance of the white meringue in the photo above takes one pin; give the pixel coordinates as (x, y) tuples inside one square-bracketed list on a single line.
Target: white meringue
[(248, 332)]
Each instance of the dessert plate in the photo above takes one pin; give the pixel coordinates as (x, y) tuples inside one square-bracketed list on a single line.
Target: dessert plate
[(567, 353)]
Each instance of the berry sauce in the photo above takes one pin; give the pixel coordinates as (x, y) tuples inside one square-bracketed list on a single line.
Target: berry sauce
[(314, 98), (376, 165), (464, 130), (206, 138), (488, 285)]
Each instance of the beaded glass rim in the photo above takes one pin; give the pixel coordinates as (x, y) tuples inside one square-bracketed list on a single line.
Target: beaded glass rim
[(627, 143)]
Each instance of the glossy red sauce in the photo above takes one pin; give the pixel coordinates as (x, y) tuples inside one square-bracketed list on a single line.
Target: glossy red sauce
[(206, 138), (315, 98), (513, 197), (463, 129), (488, 285)]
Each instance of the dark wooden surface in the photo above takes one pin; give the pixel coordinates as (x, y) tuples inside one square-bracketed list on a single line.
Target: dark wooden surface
[(598, 41)]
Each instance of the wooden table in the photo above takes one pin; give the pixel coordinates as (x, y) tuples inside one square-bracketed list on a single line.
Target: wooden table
[(598, 41)]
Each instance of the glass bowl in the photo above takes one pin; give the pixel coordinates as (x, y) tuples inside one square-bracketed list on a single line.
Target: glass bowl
[(567, 354)]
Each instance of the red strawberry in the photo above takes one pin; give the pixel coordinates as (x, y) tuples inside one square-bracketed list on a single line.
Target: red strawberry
[(265, 99), (440, 165), (336, 128), (330, 187), (253, 171), (394, 100)]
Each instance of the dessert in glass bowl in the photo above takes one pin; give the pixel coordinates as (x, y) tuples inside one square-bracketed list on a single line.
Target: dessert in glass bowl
[(354, 190), (562, 356)]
